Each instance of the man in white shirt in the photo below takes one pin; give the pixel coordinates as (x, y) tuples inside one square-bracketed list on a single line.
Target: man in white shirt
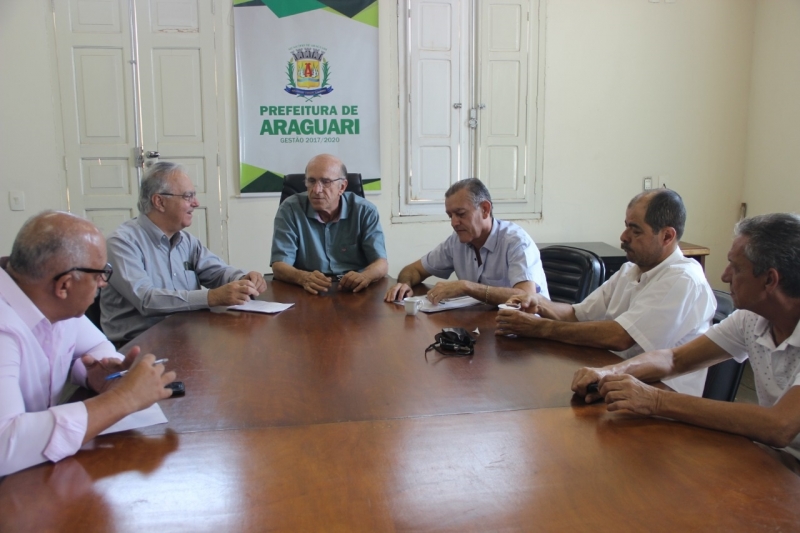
[(765, 285), (57, 264), (659, 299)]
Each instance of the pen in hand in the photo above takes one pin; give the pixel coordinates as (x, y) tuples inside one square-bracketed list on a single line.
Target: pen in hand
[(116, 375)]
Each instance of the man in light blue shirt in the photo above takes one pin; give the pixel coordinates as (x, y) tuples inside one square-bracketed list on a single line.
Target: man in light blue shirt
[(327, 231), (493, 259), (162, 269)]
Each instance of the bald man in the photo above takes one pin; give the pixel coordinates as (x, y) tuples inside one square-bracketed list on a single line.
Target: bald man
[(57, 265), (327, 232)]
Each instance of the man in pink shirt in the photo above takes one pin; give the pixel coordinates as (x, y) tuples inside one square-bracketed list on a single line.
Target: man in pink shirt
[(57, 264)]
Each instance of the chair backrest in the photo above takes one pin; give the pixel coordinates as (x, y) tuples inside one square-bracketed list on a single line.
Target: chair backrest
[(572, 273), (93, 312), (296, 183), (723, 379)]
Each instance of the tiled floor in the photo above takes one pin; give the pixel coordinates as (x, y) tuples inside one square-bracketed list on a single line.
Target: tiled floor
[(747, 387)]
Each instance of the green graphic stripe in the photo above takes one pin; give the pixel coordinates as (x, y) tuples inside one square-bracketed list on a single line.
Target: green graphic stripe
[(372, 185), (249, 173), (347, 8), (266, 182), (282, 8), (331, 10), (369, 16)]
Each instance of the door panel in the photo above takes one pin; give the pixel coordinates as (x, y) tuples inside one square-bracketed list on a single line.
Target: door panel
[(176, 98), (100, 98), (93, 50), (436, 79), (179, 113), (503, 91), (95, 16)]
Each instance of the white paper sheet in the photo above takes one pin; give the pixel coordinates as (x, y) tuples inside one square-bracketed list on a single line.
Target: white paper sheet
[(146, 417), (258, 306), (451, 303)]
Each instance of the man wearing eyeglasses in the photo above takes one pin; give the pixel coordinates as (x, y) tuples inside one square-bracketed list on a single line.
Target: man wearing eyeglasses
[(57, 265), (162, 269), (328, 232)]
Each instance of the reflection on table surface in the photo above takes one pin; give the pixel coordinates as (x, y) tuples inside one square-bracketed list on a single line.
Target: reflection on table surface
[(328, 417)]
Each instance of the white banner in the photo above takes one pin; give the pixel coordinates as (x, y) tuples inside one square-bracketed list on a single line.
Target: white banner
[(307, 83)]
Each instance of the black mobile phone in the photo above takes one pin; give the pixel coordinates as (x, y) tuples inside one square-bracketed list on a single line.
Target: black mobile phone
[(177, 388)]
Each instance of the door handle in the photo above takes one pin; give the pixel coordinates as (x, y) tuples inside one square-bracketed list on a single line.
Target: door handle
[(150, 158)]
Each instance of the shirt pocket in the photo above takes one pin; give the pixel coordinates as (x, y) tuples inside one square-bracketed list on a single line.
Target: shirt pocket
[(347, 255), (191, 280), (494, 282)]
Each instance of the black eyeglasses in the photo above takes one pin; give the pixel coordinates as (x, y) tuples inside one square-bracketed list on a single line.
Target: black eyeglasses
[(187, 196), (106, 272), (325, 182)]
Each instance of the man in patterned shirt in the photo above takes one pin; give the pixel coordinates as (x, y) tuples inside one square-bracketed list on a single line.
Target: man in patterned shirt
[(765, 285)]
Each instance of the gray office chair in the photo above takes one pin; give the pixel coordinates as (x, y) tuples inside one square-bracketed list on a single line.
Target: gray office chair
[(572, 273), (295, 184), (723, 379)]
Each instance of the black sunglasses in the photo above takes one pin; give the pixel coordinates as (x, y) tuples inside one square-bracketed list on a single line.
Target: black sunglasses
[(106, 272)]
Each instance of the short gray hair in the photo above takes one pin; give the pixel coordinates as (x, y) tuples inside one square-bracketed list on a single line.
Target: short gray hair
[(155, 182), (774, 242), (477, 191), (45, 243)]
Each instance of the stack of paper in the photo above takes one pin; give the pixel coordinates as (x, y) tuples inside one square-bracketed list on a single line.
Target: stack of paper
[(258, 306)]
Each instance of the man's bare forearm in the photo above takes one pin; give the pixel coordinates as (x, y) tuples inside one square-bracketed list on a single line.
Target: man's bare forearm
[(489, 294), (648, 367), (410, 276), (376, 270), (556, 310), (286, 272), (658, 365), (605, 334), (775, 426)]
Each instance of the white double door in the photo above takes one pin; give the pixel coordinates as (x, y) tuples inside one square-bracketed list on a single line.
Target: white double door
[(138, 78)]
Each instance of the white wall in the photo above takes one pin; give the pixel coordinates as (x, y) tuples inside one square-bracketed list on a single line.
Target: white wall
[(633, 88), (29, 129), (773, 149)]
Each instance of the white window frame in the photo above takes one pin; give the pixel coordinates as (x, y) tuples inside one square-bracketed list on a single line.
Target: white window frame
[(530, 208)]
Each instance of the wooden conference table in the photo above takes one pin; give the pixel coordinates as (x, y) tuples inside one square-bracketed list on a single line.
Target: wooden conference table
[(327, 417)]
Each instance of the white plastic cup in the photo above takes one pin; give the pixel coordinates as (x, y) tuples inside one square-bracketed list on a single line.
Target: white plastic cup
[(413, 304)]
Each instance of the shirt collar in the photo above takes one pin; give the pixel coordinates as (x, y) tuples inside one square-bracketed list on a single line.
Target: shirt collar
[(492, 240), (763, 335), (19, 301), (672, 258), (155, 233)]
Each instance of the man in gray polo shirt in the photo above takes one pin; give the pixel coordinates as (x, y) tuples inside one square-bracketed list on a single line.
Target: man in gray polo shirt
[(327, 231), (493, 259), (160, 268)]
